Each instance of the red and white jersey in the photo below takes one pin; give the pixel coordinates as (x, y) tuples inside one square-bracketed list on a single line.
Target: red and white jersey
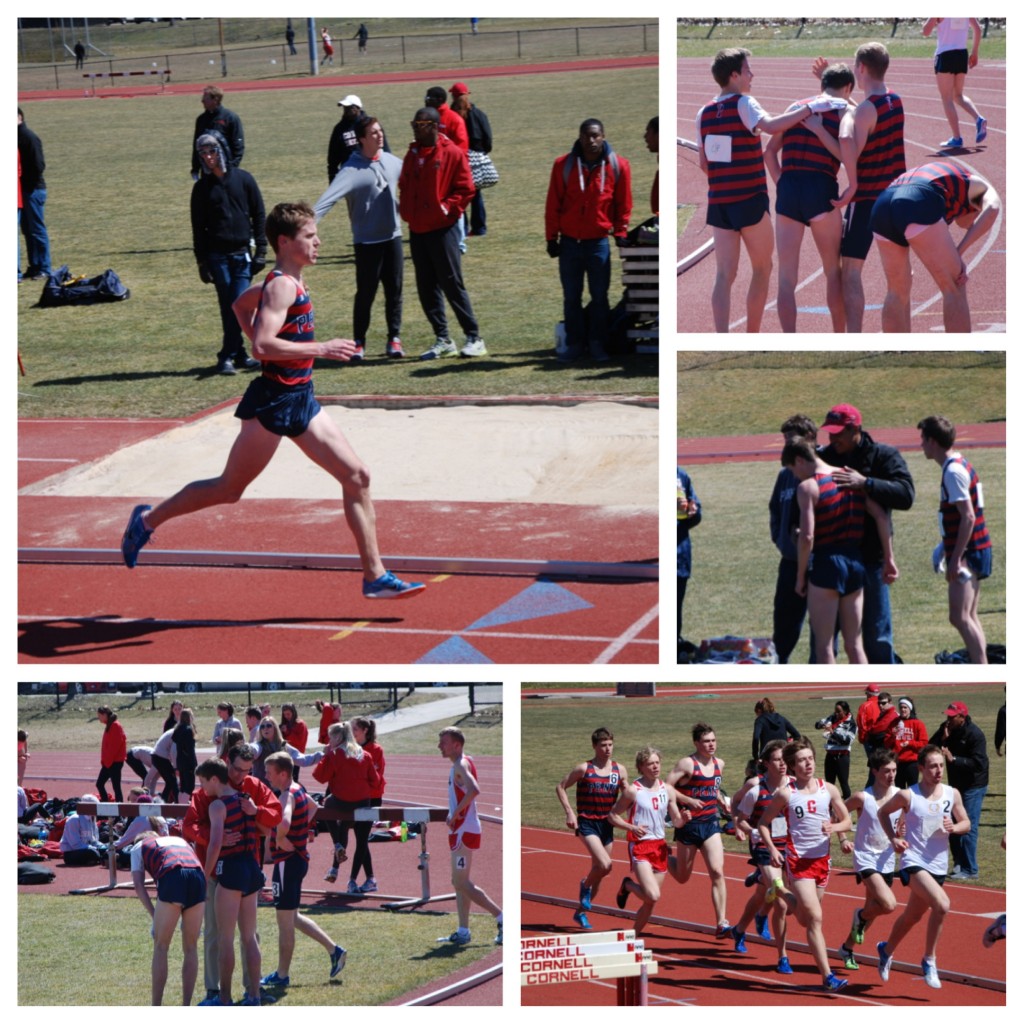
[(469, 821), (649, 809), (806, 813)]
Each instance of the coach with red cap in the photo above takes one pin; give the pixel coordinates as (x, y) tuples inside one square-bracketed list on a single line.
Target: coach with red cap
[(963, 746), (880, 472)]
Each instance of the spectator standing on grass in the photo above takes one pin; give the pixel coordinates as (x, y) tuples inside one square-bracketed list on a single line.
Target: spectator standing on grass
[(113, 752), (217, 118), (253, 717), (33, 195), (952, 62), (906, 737), (184, 737), (362, 34), (435, 188), (1000, 736), (962, 745), (365, 732), (227, 211), (879, 472), (272, 742), (289, 36), (481, 141), (651, 141), (344, 141), (79, 55), (966, 544), (688, 516), (840, 732), (453, 127), (225, 720), (368, 182), (769, 725), (590, 197)]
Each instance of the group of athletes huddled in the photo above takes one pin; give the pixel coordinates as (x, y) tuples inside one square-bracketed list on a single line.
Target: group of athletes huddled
[(902, 209), (788, 816)]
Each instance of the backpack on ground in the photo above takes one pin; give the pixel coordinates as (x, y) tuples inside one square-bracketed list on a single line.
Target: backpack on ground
[(61, 289)]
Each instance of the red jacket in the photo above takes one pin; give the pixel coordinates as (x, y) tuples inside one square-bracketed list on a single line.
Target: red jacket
[(435, 186), (907, 736), (376, 752), (114, 748), (196, 826), (454, 127), (297, 734), (347, 778), (326, 721), (601, 207)]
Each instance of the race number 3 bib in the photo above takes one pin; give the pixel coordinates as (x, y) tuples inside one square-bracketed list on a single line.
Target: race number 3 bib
[(718, 149)]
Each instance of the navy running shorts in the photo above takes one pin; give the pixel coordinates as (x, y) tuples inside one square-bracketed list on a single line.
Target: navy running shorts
[(886, 875), (600, 827), (951, 62), (902, 205), (240, 873), (980, 562), (842, 572), (908, 871), (737, 216), (804, 195), (857, 237), (696, 833), (286, 881), (285, 410), (184, 886)]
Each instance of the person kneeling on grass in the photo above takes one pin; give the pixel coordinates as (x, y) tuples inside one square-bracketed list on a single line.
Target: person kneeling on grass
[(181, 895), (288, 849)]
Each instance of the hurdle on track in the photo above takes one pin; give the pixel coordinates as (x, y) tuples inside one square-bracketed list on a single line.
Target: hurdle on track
[(589, 956), (995, 984), (699, 253), (164, 74), (413, 815), (293, 560)]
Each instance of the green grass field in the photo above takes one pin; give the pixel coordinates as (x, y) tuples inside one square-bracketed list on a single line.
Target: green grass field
[(118, 196), (565, 725), (784, 38), (389, 954)]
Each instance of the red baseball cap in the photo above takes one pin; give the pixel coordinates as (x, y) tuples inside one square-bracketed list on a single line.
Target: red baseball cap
[(873, 689), (459, 89), (839, 417), (958, 707)]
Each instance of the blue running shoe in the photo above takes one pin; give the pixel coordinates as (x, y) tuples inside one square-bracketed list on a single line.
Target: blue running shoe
[(954, 142), (931, 974), (249, 1000), (737, 938), (389, 585), (834, 984), (980, 130), (136, 536), (581, 919), (586, 893), (761, 924), (338, 958), (275, 981), (783, 967), (459, 937), (884, 961), (994, 932)]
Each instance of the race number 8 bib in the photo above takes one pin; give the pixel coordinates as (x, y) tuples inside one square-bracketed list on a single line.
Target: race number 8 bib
[(718, 149)]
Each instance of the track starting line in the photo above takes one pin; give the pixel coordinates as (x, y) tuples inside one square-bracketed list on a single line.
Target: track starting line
[(294, 560)]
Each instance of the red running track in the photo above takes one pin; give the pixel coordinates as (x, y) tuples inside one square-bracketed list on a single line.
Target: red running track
[(694, 969), (175, 615), (778, 81)]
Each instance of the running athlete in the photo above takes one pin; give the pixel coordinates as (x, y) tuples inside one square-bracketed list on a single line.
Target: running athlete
[(640, 810), (951, 64), (698, 779), (830, 566), (933, 812), (871, 144), (913, 214), (598, 783), (814, 810), (874, 860), (180, 896), (966, 544), (464, 835), (290, 855), (806, 183), (730, 155), (748, 806), (236, 868), (278, 318)]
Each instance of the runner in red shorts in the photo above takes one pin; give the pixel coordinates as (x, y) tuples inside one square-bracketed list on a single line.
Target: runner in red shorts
[(814, 810), (640, 810)]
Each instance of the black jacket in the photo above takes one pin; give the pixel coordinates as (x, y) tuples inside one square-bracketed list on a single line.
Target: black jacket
[(32, 162), (889, 483), (969, 767), (229, 125), (478, 128), (344, 143), (226, 212), (768, 726)]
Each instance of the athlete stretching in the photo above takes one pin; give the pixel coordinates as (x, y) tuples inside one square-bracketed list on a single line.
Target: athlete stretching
[(598, 782), (278, 318)]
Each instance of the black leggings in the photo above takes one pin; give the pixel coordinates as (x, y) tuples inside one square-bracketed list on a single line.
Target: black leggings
[(113, 776), (166, 770), (339, 833)]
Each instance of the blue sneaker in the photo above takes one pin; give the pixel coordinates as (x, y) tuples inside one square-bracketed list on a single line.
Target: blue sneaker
[(249, 1000), (459, 937), (136, 536), (586, 893), (275, 981), (783, 967), (389, 585), (834, 984), (884, 961), (338, 958), (737, 937), (761, 923), (954, 142), (581, 919), (980, 130)]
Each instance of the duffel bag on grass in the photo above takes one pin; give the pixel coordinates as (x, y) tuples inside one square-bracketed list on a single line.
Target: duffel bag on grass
[(61, 289)]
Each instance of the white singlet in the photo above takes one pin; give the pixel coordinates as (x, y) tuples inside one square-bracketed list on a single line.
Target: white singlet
[(649, 809), (929, 842), (872, 849), (806, 813)]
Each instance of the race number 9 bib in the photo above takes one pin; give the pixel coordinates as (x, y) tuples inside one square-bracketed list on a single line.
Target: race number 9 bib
[(718, 149)]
